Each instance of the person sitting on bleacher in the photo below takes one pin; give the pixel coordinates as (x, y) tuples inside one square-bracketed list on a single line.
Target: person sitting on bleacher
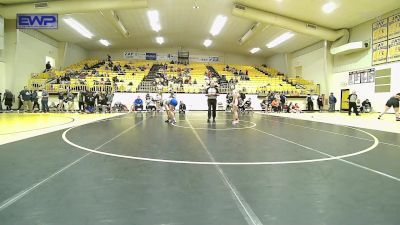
[(138, 103), (48, 67)]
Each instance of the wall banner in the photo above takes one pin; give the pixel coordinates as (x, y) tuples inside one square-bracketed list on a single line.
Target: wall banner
[(394, 26), (394, 50), (380, 31), (379, 53)]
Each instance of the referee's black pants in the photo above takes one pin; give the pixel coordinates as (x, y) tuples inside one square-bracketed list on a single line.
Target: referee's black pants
[(353, 106), (212, 104)]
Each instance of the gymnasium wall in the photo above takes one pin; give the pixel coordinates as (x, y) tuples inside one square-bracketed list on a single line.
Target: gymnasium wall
[(279, 62), (342, 65), (25, 53), (30, 57), (226, 58), (74, 54), (311, 64)]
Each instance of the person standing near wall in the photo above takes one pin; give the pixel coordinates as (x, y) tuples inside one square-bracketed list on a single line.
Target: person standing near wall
[(310, 104), (320, 102), (60, 101), (212, 94), (35, 100), (45, 101), (332, 103), (1, 102), (353, 103), (392, 102), (8, 100), (26, 99), (70, 101), (81, 102)]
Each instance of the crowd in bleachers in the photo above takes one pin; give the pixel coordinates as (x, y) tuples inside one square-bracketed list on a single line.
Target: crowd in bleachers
[(101, 78)]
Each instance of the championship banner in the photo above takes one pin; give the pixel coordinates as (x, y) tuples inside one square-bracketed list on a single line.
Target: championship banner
[(379, 53), (394, 50), (394, 26), (380, 31)]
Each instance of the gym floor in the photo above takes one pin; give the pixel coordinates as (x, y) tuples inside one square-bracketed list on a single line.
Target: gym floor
[(136, 169)]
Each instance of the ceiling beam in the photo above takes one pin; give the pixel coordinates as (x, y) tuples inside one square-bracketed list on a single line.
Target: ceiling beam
[(113, 17), (288, 23)]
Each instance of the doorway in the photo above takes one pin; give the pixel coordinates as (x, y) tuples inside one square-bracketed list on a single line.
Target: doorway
[(344, 104)]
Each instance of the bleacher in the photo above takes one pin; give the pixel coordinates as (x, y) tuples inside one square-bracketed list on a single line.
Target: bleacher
[(143, 76), (86, 80)]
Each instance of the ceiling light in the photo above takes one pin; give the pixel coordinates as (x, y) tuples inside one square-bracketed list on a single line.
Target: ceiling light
[(207, 42), (277, 41), (154, 20), (104, 42), (160, 40), (196, 6), (254, 50), (78, 27), (218, 24), (329, 7)]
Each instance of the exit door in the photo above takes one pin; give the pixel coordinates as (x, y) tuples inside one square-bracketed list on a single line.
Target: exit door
[(344, 104)]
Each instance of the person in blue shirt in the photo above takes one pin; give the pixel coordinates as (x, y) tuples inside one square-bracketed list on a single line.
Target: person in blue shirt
[(25, 97), (138, 103), (332, 103)]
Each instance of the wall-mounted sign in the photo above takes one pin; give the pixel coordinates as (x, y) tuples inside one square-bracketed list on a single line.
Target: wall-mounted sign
[(37, 21)]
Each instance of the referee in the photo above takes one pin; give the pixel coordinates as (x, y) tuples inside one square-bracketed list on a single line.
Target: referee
[(212, 94)]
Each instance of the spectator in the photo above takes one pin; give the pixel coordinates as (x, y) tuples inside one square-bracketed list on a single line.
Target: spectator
[(182, 107), (366, 106), (60, 95), (296, 108), (103, 102), (48, 67), (353, 103), (90, 101), (275, 105), (310, 104), (264, 105), (35, 100), (282, 99), (8, 100), (45, 101), (25, 97), (138, 103), (332, 102), (320, 102), (81, 102), (150, 104), (70, 101)]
